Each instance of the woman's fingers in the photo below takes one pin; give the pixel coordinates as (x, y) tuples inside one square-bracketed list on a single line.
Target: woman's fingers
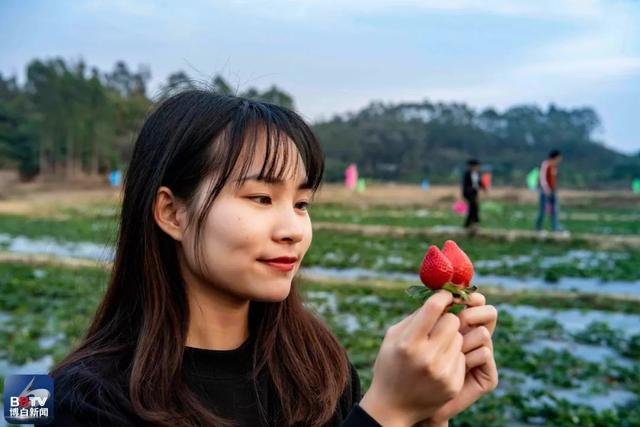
[(427, 316), (476, 337), (475, 299), (485, 370), (445, 332), (485, 315), (478, 357)]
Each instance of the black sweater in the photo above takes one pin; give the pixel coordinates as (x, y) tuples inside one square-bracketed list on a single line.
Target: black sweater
[(221, 378)]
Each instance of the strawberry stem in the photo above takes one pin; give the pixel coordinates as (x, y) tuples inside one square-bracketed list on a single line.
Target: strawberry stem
[(422, 292), (463, 293)]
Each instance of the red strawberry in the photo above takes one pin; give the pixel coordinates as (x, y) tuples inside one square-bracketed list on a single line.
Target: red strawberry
[(462, 266), (436, 269)]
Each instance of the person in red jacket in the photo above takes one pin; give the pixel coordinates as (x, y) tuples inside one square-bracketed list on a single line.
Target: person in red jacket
[(547, 187)]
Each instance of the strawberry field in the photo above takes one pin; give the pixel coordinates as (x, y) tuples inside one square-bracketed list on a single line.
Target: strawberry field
[(560, 366), (568, 336)]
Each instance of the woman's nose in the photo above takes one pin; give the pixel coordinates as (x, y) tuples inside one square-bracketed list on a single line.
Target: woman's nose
[(291, 226)]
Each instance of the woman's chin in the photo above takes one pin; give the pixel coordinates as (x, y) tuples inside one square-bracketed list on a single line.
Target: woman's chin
[(274, 293)]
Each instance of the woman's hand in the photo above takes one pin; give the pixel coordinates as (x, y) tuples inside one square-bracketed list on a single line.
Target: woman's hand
[(420, 366), (477, 323)]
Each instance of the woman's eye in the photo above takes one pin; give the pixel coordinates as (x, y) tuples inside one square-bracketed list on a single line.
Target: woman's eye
[(303, 205), (263, 200)]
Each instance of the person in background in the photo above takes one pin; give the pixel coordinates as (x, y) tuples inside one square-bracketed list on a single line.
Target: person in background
[(547, 187), (471, 184)]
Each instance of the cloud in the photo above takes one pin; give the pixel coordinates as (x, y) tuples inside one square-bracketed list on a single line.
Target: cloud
[(586, 69), (137, 8), (602, 51), (315, 9), (569, 68)]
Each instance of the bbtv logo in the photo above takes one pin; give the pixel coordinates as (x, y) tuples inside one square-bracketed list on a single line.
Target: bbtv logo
[(28, 399)]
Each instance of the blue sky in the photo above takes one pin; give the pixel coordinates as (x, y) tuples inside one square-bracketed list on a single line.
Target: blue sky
[(335, 57)]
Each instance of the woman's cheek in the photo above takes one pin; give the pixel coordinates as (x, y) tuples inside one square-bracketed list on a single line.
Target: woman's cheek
[(308, 237)]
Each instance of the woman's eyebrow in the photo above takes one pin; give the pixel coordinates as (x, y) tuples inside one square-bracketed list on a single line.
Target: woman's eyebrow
[(305, 185)]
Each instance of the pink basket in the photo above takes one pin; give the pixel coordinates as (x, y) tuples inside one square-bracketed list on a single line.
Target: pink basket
[(459, 207)]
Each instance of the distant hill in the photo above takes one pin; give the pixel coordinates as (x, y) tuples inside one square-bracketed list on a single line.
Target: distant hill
[(413, 141)]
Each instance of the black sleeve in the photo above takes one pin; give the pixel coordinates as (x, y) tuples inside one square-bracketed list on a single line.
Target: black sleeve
[(358, 417)]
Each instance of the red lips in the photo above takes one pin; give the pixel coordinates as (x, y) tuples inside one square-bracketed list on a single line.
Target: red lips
[(283, 263), (282, 260)]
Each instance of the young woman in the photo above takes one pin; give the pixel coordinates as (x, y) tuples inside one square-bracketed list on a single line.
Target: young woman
[(202, 323)]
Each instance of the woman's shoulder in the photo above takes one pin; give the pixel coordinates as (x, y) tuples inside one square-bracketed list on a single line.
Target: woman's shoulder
[(90, 392)]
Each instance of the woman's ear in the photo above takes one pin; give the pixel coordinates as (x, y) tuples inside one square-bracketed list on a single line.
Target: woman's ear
[(169, 213)]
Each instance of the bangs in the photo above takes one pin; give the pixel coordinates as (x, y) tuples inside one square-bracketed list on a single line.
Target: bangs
[(257, 122), (248, 123)]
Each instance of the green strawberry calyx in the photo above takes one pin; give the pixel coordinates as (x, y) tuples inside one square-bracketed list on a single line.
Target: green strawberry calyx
[(422, 293)]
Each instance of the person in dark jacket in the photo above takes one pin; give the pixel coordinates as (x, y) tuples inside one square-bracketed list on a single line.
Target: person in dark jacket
[(471, 184)]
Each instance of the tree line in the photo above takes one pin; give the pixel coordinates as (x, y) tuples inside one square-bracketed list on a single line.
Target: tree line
[(413, 141), (68, 120)]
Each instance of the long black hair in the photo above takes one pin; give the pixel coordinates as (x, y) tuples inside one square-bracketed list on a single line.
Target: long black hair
[(192, 139)]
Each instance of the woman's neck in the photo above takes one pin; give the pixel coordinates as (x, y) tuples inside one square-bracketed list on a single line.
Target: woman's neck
[(216, 321)]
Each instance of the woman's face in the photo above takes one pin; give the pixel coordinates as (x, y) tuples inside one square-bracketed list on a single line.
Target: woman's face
[(255, 235)]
